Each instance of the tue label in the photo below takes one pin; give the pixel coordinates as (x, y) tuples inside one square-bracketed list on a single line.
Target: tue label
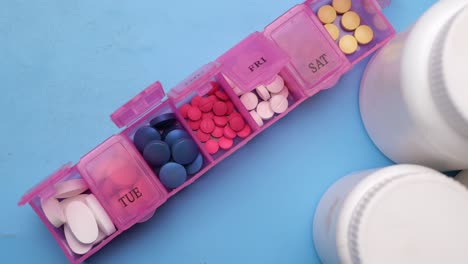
[(319, 63), (130, 197)]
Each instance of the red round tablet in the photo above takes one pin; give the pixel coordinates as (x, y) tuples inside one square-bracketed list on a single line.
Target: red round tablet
[(245, 132), (218, 132), (196, 101), (205, 105), (194, 113), (212, 146), (229, 133), (202, 136), (222, 95), (213, 98), (230, 107), (225, 143), (220, 121), (208, 115), (184, 109), (207, 126), (214, 89), (194, 125), (219, 108), (237, 123)]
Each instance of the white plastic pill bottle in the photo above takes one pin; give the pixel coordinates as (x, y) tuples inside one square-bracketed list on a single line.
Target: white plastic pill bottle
[(414, 93), (405, 214)]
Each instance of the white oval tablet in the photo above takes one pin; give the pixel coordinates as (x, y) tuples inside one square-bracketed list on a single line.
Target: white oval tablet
[(53, 211), (277, 85), (249, 100), (279, 104), (284, 92), (102, 218), (81, 221), (264, 110), (70, 188), (263, 93), (256, 118), (80, 197), (73, 243), (100, 238)]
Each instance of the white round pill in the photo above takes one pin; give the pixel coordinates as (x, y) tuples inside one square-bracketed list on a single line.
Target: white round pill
[(70, 188), (256, 118), (262, 91), (279, 104), (237, 91), (73, 243), (102, 218), (277, 85), (249, 100), (81, 221), (53, 211), (284, 92), (264, 110)]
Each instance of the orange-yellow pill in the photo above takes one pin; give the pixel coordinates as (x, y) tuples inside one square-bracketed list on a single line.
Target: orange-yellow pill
[(348, 44), (326, 14), (350, 21), (333, 31), (364, 34), (341, 6)]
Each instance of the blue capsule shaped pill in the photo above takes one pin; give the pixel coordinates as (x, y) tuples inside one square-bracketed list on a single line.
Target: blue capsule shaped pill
[(157, 153), (163, 121), (173, 135), (172, 175), (195, 166), (184, 151), (144, 135)]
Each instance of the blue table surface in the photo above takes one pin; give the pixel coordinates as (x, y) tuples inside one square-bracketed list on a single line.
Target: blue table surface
[(66, 65)]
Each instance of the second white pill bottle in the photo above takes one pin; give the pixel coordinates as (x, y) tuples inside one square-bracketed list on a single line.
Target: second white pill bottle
[(414, 93), (403, 214)]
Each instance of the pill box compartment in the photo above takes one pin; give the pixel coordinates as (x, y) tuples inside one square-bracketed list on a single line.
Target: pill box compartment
[(47, 190), (257, 66), (371, 15), (233, 125), (139, 114)]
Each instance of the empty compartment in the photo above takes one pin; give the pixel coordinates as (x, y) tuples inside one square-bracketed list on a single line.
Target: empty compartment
[(213, 113), (73, 214), (359, 27), (162, 139), (254, 70)]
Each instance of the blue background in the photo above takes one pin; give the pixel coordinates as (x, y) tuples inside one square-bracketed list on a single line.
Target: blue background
[(66, 65)]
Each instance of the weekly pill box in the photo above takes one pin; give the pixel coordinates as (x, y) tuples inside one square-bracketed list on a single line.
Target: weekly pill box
[(296, 46)]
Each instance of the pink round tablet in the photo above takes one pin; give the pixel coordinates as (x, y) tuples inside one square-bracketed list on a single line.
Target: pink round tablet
[(279, 104), (230, 107), (264, 110), (218, 132), (196, 101), (213, 98), (220, 121), (237, 123), (194, 114), (222, 95), (256, 118), (184, 109), (205, 105), (202, 136), (212, 146), (194, 125), (245, 132), (207, 126), (208, 115), (249, 100), (277, 85), (219, 108), (225, 143), (214, 89), (229, 133), (263, 93)]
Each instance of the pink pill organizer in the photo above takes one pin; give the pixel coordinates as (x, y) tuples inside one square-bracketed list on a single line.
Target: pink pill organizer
[(296, 46)]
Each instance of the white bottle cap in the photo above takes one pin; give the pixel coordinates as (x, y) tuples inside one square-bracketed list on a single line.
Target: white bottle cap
[(449, 72), (412, 218)]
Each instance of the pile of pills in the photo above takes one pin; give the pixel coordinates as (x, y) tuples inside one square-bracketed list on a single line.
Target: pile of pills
[(169, 150), (85, 222), (214, 120), (265, 101), (350, 21)]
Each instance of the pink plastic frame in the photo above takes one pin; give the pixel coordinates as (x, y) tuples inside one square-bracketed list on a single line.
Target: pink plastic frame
[(289, 46)]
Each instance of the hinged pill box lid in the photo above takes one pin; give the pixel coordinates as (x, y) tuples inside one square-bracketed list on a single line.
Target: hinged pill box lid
[(254, 61), (138, 105), (194, 83), (47, 184)]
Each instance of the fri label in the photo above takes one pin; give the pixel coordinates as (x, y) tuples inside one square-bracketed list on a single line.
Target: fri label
[(259, 63)]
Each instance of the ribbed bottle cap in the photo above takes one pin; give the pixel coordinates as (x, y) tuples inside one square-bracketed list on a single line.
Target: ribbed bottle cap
[(413, 218), (449, 71)]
